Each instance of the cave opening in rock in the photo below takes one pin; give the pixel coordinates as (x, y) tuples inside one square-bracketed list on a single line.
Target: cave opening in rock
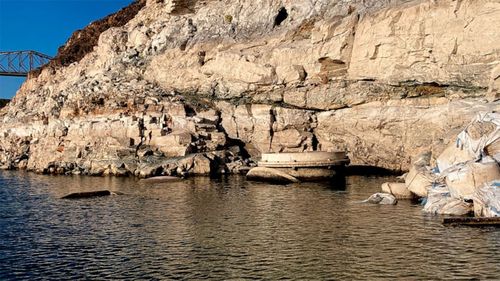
[(281, 16), (190, 111)]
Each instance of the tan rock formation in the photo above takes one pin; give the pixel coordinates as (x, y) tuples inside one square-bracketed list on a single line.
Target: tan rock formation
[(384, 79)]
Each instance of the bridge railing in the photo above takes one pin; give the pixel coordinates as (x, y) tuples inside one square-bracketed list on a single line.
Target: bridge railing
[(20, 63)]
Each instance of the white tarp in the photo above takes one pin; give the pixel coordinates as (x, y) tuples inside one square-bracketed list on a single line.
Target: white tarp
[(463, 179), (467, 177), (487, 200), (470, 143), (440, 202)]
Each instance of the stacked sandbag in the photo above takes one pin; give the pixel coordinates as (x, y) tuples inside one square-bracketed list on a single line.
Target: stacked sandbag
[(466, 174), (487, 200), (493, 150), (438, 196), (440, 202), (463, 179), (452, 155), (419, 180), (456, 207), (470, 144)]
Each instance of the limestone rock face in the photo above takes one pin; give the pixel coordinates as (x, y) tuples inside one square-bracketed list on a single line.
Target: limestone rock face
[(197, 87), (447, 42)]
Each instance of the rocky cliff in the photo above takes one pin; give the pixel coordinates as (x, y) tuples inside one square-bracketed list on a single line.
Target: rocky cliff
[(205, 86)]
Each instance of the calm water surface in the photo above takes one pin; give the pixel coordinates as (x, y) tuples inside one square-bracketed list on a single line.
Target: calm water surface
[(228, 229)]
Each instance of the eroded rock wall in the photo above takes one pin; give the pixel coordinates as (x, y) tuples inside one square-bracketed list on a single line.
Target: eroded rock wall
[(228, 80)]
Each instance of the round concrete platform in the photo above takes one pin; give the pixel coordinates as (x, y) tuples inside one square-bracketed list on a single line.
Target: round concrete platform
[(304, 166), (304, 159)]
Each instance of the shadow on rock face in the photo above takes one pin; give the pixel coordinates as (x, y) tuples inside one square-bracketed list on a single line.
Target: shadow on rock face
[(359, 170), (182, 7)]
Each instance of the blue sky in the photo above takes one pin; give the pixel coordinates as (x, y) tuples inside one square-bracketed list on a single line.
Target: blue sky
[(44, 25)]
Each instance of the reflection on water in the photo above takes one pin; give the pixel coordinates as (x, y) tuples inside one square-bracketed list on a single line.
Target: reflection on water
[(227, 229)]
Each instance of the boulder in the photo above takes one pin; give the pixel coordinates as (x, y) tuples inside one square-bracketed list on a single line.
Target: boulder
[(201, 165), (381, 199), (397, 189), (291, 140), (175, 144)]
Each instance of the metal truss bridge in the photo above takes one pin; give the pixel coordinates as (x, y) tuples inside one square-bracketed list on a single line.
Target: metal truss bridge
[(20, 63)]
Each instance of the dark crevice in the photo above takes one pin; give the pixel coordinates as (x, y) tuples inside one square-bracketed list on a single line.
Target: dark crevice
[(248, 107), (280, 17), (142, 128), (190, 111), (183, 45), (230, 141), (418, 83), (246, 101), (314, 143), (434, 84), (271, 131), (367, 79)]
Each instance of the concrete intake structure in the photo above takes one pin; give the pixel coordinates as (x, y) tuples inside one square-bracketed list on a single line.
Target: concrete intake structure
[(296, 167)]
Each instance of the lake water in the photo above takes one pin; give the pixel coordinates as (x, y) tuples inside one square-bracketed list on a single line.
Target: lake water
[(228, 229)]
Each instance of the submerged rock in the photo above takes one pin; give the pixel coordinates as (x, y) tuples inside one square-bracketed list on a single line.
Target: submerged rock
[(161, 179), (382, 199), (89, 194)]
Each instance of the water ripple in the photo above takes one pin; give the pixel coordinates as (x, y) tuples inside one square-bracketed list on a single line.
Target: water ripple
[(227, 230)]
